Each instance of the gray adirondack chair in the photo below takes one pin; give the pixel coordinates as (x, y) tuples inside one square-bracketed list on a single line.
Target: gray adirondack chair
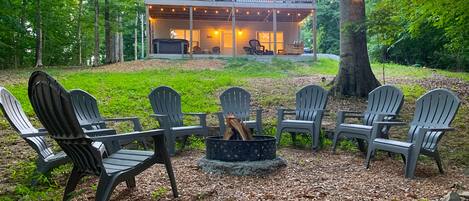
[(237, 101), (434, 112), (384, 103), (311, 102), (166, 105), (46, 159), (53, 106), (89, 117)]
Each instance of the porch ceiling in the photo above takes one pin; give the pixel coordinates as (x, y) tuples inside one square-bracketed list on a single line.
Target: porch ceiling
[(224, 13)]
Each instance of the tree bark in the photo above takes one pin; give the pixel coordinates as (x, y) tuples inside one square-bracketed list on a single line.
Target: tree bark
[(355, 77), (80, 8), (96, 33), (39, 40), (108, 39)]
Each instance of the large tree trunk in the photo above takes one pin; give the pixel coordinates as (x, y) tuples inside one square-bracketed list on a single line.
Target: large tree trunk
[(80, 8), (355, 76), (96, 33), (108, 38), (38, 35)]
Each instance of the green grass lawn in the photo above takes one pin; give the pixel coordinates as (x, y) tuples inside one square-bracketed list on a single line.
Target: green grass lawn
[(125, 94)]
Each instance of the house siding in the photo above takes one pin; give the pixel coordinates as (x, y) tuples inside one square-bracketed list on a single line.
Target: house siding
[(208, 39)]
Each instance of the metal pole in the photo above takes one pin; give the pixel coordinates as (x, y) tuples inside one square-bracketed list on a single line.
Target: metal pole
[(191, 26), (143, 37), (275, 30), (233, 27), (136, 38)]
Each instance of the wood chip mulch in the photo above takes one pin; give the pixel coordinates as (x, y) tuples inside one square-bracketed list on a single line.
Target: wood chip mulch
[(308, 176)]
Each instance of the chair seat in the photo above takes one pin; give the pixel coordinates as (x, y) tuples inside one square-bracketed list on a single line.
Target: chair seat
[(57, 156), (356, 126), (389, 142), (289, 121), (183, 128), (124, 160)]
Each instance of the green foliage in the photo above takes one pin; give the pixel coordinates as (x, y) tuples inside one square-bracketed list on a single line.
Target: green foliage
[(159, 193), (431, 33)]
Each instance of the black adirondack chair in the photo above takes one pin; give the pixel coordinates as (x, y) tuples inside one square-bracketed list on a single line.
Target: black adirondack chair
[(89, 117), (166, 104), (53, 106), (384, 103), (46, 159), (433, 115), (258, 49), (311, 103), (237, 101)]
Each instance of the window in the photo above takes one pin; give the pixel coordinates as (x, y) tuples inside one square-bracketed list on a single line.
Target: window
[(186, 34), (266, 39)]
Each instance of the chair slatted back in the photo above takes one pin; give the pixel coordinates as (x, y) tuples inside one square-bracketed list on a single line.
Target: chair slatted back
[(308, 100), (384, 99), (15, 115), (255, 44), (237, 101), (165, 100), (437, 108), (86, 109), (53, 106)]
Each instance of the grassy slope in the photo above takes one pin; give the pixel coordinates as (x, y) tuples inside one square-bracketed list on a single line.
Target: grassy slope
[(124, 94)]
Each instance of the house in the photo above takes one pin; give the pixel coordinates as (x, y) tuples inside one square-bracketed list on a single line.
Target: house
[(227, 27)]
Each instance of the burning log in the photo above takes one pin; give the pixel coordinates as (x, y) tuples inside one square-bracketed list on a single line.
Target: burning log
[(236, 129)]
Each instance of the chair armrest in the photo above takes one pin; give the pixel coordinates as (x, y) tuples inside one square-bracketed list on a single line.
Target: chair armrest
[(389, 123), (202, 118), (38, 134), (129, 136), (441, 129), (100, 132), (134, 120), (42, 130)]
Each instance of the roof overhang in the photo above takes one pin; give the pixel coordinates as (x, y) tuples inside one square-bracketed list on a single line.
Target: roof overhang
[(272, 4), (181, 12)]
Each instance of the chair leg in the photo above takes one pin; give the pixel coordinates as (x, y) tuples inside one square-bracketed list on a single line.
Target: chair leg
[(315, 138), (131, 182), (72, 183), (411, 163), (259, 128), (371, 150), (361, 145), (402, 156), (438, 162), (293, 137), (334, 142), (105, 187), (279, 134), (162, 152)]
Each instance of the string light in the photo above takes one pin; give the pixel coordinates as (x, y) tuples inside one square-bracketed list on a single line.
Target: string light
[(216, 11), (227, 10), (288, 14), (162, 9), (247, 12), (184, 9), (278, 12), (205, 11), (299, 14), (172, 10), (151, 7), (258, 13), (195, 9), (237, 10), (268, 11)]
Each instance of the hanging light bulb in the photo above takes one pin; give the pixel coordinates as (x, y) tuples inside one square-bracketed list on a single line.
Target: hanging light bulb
[(195, 8), (299, 14), (205, 11), (237, 10), (247, 13), (184, 9), (278, 11), (227, 10), (216, 11), (288, 14), (162, 9), (258, 13), (151, 7), (172, 10)]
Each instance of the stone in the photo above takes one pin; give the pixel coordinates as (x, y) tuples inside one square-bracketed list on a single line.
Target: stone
[(464, 194), (451, 196), (242, 168)]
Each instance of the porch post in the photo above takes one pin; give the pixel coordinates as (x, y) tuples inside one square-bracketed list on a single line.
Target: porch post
[(191, 26), (315, 44), (142, 21), (147, 13), (233, 29), (275, 30)]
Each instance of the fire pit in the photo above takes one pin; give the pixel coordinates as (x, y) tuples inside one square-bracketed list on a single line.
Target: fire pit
[(240, 153)]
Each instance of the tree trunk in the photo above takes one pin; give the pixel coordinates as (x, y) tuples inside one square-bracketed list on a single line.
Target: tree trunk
[(96, 33), (80, 8), (108, 39), (38, 35), (136, 38), (355, 76)]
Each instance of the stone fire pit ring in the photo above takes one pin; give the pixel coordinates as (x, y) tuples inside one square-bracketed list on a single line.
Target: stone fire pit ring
[(238, 157)]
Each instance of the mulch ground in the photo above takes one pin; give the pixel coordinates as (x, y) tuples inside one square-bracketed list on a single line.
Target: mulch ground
[(308, 176)]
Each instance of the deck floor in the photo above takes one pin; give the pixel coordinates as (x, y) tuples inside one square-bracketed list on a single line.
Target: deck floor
[(262, 58)]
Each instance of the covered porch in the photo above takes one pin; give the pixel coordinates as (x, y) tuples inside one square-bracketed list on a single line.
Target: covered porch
[(212, 29)]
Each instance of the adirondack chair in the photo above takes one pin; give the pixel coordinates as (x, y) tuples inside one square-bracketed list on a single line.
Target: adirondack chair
[(46, 159), (89, 117), (384, 103), (53, 106), (434, 112), (310, 105), (237, 101), (166, 105)]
